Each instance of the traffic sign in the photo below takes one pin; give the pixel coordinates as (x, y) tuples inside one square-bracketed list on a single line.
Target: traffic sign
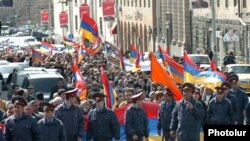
[(71, 36)]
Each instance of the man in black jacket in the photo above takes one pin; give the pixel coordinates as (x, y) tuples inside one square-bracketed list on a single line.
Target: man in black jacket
[(103, 124), (136, 121)]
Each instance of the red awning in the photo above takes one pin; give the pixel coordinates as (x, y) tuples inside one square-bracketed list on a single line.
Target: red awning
[(113, 30)]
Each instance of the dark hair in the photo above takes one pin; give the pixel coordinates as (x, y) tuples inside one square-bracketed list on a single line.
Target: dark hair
[(20, 92)]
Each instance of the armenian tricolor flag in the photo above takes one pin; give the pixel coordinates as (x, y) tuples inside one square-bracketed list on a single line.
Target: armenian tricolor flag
[(46, 46), (79, 82), (37, 56), (89, 28), (176, 70), (68, 41), (193, 74), (108, 91)]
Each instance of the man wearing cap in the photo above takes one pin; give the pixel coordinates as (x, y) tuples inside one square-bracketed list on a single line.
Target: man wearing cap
[(220, 110), (136, 121), (21, 127), (51, 127), (71, 116), (226, 87), (103, 124), (164, 115), (240, 96), (187, 116)]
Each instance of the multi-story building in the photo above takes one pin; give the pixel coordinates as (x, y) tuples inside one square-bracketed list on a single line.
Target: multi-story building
[(24, 10), (137, 22), (232, 16), (71, 7)]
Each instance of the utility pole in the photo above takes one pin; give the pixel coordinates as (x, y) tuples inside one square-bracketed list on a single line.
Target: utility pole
[(29, 21), (50, 13), (118, 24), (71, 29), (158, 14), (213, 43)]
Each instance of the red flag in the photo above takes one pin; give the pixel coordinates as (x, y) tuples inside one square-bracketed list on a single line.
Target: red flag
[(213, 65), (159, 75)]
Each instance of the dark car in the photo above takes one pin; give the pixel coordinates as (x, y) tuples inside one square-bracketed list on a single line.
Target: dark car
[(42, 82), (39, 36)]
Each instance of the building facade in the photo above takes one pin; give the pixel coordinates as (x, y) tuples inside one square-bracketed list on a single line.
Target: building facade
[(232, 16), (71, 7), (137, 22), (175, 27), (24, 10)]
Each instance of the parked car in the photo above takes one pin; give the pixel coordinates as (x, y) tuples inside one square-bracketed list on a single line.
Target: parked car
[(43, 82), (6, 70), (243, 71)]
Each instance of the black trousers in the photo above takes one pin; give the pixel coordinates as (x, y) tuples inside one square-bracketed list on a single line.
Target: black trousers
[(167, 136)]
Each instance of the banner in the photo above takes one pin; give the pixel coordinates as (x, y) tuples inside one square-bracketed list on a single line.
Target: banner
[(44, 16), (108, 8), (84, 9), (63, 17)]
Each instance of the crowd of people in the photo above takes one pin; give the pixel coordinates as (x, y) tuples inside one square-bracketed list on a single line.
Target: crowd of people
[(26, 116)]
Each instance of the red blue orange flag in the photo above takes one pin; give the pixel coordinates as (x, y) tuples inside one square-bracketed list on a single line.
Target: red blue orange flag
[(89, 28), (176, 70), (159, 75), (68, 41), (47, 46), (79, 82), (37, 56), (163, 57), (81, 53), (195, 75), (97, 46), (108, 91), (132, 54)]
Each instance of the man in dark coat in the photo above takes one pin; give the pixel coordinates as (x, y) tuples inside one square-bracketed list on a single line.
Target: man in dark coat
[(187, 116), (220, 110), (226, 87), (240, 96), (21, 127), (136, 121), (51, 127), (103, 123), (71, 116), (164, 115)]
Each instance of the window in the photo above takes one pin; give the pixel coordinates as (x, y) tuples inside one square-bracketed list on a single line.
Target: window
[(100, 24), (135, 3), (139, 3), (85, 1), (218, 3), (149, 3), (235, 3), (128, 2), (124, 2), (75, 2), (144, 3), (100, 3), (76, 22), (226, 3), (132, 3), (244, 3), (120, 2)]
